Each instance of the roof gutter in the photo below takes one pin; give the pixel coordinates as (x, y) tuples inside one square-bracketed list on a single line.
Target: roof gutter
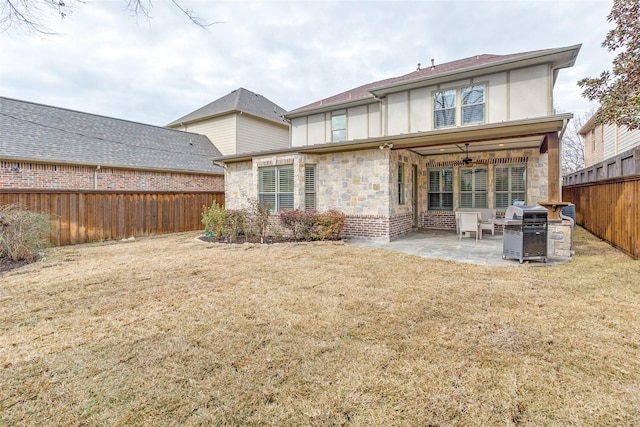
[(540, 125)]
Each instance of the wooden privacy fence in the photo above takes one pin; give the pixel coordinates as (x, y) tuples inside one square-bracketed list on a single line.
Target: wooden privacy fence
[(89, 216), (610, 209)]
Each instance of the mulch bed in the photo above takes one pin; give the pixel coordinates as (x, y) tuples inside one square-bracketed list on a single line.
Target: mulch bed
[(7, 265)]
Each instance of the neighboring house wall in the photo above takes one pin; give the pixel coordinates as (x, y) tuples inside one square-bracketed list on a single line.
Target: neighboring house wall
[(511, 95), (593, 146), (222, 131), (31, 175), (255, 134), (610, 151)]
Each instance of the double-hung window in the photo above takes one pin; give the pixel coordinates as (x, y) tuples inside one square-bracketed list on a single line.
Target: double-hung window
[(441, 189), (444, 108), (338, 127), (455, 107), (473, 104), (275, 187), (310, 188), (510, 184), (473, 187)]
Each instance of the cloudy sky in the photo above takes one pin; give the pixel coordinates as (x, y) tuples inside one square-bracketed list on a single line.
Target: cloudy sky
[(106, 61)]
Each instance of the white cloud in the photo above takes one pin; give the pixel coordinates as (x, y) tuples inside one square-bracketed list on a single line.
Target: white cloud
[(292, 52)]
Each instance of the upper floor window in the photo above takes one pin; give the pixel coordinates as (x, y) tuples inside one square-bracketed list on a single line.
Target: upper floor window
[(441, 189), (445, 108), (473, 104), (468, 103), (338, 127), (275, 187)]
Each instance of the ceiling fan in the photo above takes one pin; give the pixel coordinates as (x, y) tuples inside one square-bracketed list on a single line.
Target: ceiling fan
[(467, 161)]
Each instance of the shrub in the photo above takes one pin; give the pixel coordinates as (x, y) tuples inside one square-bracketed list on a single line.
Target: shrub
[(330, 225), (235, 223), (313, 225), (22, 233), (259, 215), (213, 220)]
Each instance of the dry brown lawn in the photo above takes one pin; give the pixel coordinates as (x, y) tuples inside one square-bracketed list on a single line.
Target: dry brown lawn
[(171, 331)]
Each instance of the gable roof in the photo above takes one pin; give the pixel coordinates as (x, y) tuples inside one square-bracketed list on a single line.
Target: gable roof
[(438, 73), (41, 133), (239, 100)]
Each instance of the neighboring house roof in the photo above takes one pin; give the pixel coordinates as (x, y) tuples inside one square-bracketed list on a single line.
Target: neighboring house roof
[(239, 100), (41, 133), (424, 76)]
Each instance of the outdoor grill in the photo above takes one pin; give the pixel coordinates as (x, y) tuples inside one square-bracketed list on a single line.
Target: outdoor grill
[(525, 233)]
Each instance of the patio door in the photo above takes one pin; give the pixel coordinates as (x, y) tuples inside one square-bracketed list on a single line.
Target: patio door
[(414, 195)]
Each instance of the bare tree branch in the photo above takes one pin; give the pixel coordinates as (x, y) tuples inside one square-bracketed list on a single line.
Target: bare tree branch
[(573, 144), (28, 16)]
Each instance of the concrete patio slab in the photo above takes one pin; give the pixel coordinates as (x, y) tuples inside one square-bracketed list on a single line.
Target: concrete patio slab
[(444, 244)]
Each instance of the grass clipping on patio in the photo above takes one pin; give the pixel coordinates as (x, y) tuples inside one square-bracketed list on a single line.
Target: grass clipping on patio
[(171, 331)]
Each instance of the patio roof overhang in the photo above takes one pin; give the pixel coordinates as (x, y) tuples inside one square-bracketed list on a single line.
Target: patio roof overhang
[(517, 134)]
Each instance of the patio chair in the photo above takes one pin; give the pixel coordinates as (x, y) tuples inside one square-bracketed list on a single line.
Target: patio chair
[(469, 221)]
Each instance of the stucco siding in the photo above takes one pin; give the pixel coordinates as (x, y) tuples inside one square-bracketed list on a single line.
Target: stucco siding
[(398, 113), (299, 132), (257, 135), (220, 130), (420, 110), (375, 129), (529, 92), (496, 98), (316, 130), (357, 122)]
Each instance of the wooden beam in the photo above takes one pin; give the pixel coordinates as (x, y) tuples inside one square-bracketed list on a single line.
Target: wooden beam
[(553, 167)]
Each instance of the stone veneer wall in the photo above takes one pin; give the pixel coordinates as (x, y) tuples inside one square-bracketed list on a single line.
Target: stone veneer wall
[(355, 183), (239, 185), (560, 239)]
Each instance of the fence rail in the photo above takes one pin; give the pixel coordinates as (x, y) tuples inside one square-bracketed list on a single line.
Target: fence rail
[(610, 209), (89, 216)]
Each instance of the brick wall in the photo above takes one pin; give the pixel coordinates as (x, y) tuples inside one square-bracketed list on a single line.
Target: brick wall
[(445, 220), (23, 175)]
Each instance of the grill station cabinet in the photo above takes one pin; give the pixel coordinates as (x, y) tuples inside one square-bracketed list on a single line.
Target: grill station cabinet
[(525, 233)]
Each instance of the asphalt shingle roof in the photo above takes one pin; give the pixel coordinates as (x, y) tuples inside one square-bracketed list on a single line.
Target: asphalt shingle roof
[(364, 91), (239, 100), (41, 133)]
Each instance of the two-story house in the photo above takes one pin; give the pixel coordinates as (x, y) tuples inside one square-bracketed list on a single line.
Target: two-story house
[(609, 151), (407, 151), (239, 122)]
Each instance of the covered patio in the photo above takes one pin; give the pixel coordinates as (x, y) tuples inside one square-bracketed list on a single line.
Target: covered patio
[(445, 245)]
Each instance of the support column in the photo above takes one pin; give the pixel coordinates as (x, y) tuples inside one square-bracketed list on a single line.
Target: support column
[(553, 168)]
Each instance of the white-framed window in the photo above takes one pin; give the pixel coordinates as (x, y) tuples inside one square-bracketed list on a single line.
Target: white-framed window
[(275, 187), (338, 127), (444, 108), (310, 187), (472, 104), (473, 187), (441, 189), (462, 106), (510, 184), (401, 196)]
